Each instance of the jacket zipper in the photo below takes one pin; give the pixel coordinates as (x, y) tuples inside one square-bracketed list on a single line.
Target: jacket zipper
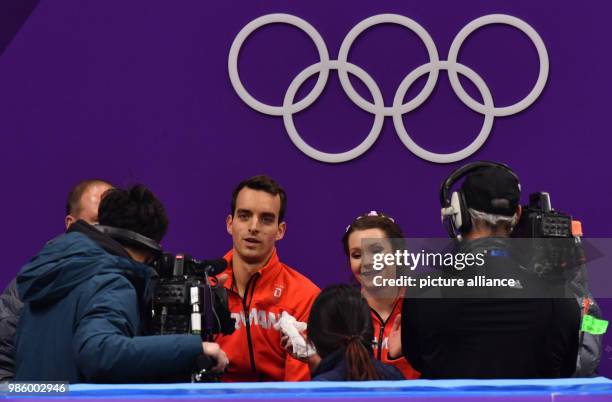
[(247, 320), (380, 334), (383, 324)]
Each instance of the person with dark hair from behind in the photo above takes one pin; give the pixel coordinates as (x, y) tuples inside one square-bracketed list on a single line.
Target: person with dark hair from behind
[(87, 295), (82, 203), (340, 328), (490, 332)]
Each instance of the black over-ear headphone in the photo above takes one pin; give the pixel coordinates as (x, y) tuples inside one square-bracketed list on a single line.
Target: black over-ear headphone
[(131, 237), (455, 215)]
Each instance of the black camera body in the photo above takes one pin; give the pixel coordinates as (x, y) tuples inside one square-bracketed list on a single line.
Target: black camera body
[(555, 250), (185, 302), (539, 220)]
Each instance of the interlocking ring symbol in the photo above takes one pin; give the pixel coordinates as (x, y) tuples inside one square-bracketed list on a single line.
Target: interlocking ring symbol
[(378, 108)]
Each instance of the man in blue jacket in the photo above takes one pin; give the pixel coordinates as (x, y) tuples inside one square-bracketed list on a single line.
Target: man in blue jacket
[(82, 203), (86, 296)]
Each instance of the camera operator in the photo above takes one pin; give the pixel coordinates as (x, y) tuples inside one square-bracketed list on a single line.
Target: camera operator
[(82, 203), (86, 295), (495, 337)]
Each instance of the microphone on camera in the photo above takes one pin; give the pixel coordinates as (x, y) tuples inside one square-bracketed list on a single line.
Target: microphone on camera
[(213, 267)]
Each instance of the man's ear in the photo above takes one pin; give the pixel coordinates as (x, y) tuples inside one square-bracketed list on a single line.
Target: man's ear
[(519, 211), (228, 224), (69, 220), (282, 228)]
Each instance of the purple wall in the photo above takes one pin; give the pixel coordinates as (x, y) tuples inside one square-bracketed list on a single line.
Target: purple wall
[(139, 92)]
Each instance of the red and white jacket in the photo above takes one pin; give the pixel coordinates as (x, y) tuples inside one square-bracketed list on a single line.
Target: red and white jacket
[(254, 349), (382, 329)]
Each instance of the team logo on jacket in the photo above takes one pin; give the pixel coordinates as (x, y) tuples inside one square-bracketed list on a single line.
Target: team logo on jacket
[(260, 318), (278, 291), (384, 344)]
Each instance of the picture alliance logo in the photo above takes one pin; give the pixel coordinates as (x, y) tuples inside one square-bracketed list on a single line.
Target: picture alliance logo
[(452, 66)]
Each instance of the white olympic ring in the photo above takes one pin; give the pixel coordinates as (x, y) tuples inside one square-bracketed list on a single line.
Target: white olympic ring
[(378, 108)]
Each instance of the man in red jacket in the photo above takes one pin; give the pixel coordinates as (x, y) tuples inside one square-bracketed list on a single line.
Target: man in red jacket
[(260, 287)]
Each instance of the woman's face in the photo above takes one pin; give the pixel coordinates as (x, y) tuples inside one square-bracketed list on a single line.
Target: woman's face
[(363, 245)]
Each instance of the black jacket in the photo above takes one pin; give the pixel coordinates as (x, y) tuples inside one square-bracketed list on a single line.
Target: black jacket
[(491, 337)]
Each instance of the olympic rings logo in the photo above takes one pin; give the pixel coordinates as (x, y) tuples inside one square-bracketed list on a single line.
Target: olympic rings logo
[(378, 108)]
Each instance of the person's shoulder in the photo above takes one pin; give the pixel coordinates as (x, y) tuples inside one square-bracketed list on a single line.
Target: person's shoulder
[(109, 288), (329, 376), (334, 370), (73, 244), (298, 280), (71, 239), (387, 371), (566, 309), (11, 289)]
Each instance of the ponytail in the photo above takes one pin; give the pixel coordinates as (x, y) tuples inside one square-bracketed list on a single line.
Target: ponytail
[(340, 320), (359, 365)]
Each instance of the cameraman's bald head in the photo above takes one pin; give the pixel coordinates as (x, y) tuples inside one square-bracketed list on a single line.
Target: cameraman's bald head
[(83, 201)]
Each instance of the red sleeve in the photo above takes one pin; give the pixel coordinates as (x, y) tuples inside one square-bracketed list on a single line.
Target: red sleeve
[(296, 370)]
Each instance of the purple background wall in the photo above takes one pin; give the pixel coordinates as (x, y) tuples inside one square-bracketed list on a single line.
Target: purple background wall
[(139, 92)]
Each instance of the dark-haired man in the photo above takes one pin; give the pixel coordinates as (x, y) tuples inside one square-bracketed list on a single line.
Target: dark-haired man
[(82, 203), (260, 287), (88, 291)]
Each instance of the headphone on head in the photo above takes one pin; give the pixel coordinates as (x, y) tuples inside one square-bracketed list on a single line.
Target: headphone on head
[(455, 214), (132, 237)]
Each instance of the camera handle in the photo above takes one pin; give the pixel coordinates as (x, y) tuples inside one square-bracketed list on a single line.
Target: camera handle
[(196, 315), (202, 371)]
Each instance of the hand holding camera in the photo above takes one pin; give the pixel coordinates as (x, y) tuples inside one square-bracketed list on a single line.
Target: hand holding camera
[(212, 350)]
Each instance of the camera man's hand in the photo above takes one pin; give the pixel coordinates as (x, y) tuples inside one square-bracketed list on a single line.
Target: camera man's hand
[(215, 352)]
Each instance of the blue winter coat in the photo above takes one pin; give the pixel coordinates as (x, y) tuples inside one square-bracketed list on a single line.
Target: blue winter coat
[(82, 318)]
